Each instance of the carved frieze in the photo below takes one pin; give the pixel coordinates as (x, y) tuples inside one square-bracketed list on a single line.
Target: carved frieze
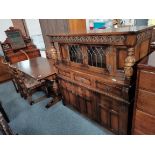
[(143, 36), (89, 39)]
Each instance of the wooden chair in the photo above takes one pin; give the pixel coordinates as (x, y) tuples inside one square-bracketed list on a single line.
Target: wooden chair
[(4, 127), (27, 86), (7, 65), (15, 79)]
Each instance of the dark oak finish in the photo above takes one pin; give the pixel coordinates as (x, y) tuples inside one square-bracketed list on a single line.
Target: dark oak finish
[(96, 72), (77, 25), (4, 73), (38, 68), (13, 55), (41, 69), (144, 110)]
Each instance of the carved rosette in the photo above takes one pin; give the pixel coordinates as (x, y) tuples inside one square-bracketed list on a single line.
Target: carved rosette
[(129, 63), (52, 54)]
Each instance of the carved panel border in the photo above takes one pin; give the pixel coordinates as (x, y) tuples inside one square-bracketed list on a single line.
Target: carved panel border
[(144, 36), (90, 39)]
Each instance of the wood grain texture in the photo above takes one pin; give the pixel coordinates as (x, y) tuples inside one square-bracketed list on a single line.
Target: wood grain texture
[(4, 71), (144, 109), (77, 25), (38, 68), (101, 92)]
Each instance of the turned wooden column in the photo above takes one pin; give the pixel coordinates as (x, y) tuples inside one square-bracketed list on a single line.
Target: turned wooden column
[(52, 54), (129, 63)]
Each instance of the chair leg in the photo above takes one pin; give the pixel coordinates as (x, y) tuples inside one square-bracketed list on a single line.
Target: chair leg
[(4, 127), (15, 85), (4, 113)]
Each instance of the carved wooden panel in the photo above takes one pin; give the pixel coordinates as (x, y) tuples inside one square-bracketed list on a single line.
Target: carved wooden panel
[(121, 56), (78, 97), (102, 68), (108, 117), (117, 40), (145, 82), (141, 125), (142, 101)]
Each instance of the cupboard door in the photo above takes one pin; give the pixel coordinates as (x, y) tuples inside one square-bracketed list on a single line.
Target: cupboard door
[(90, 108), (79, 97), (114, 121), (66, 96), (82, 105), (73, 99), (90, 103), (108, 111), (104, 116)]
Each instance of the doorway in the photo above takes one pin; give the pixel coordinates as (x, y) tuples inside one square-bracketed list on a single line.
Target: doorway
[(35, 33)]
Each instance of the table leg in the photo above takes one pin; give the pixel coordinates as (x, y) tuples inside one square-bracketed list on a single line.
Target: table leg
[(56, 95)]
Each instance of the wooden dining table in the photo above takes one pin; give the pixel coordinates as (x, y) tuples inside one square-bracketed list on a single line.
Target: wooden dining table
[(40, 68)]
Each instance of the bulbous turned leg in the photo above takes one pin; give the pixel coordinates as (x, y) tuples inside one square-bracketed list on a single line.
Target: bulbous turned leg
[(56, 95)]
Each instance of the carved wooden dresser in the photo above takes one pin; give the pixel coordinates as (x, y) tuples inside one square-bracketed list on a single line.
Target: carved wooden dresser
[(96, 72), (17, 47), (144, 111)]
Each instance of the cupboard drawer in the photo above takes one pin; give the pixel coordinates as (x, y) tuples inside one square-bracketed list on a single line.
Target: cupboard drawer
[(147, 80), (108, 88), (146, 101), (65, 73), (144, 122), (82, 79)]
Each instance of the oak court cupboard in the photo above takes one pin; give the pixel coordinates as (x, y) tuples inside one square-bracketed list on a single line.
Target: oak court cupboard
[(97, 72)]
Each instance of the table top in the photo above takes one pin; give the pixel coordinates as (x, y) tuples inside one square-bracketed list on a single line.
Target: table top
[(38, 68), (108, 31)]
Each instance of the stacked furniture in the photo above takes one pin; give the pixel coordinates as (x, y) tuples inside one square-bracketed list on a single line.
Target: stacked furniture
[(96, 72), (18, 47), (144, 110)]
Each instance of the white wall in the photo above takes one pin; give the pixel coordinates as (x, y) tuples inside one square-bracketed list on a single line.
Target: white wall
[(33, 26), (35, 32), (4, 25)]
